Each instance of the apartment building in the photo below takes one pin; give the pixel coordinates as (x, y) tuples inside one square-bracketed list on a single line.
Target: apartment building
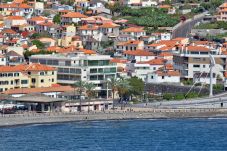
[(26, 76), (191, 60), (79, 66)]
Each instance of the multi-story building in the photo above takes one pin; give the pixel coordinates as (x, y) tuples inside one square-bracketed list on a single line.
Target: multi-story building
[(191, 60), (222, 12), (79, 66), (26, 76)]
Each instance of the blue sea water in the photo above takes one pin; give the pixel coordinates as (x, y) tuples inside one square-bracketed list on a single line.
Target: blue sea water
[(131, 135)]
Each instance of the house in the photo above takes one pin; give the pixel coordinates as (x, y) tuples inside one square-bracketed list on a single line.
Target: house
[(135, 32), (36, 20), (109, 30), (128, 45), (93, 4), (139, 55), (67, 30), (14, 20), (222, 12), (196, 59), (96, 20), (72, 17), (163, 77), (27, 76), (60, 7), (89, 30)]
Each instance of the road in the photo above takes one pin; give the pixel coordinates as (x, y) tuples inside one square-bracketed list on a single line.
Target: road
[(184, 28), (213, 102)]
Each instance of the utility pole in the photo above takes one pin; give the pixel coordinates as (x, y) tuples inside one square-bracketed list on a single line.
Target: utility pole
[(212, 64)]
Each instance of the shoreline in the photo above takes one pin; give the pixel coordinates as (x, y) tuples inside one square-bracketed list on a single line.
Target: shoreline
[(12, 120)]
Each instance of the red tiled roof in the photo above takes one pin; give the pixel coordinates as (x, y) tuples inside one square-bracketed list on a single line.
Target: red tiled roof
[(138, 53), (39, 90), (26, 67), (133, 29), (158, 61), (74, 15)]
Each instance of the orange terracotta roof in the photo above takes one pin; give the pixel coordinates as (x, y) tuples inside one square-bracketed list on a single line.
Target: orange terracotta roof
[(26, 67), (169, 42), (167, 67), (139, 53), (37, 18), (109, 25), (39, 90), (165, 48), (88, 52), (201, 42), (54, 49), (15, 18), (74, 15), (164, 6), (89, 27), (130, 42), (179, 38), (46, 24), (168, 73), (133, 29), (9, 31), (24, 6), (158, 61), (197, 48)]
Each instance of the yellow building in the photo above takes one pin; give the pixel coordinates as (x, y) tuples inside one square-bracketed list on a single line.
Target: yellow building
[(27, 76)]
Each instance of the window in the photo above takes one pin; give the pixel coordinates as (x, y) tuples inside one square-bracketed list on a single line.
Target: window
[(154, 68), (163, 77), (204, 66), (24, 81), (152, 77), (52, 80), (196, 59), (41, 73), (33, 80), (42, 80), (52, 72), (196, 66)]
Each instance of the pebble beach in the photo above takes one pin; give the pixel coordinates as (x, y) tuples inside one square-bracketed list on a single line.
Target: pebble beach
[(132, 113)]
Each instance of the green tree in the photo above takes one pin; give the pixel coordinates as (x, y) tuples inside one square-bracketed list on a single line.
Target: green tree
[(168, 96), (38, 44), (179, 96), (81, 86), (28, 53), (113, 83), (57, 19), (137, 86), (123, 89), (89, 87)]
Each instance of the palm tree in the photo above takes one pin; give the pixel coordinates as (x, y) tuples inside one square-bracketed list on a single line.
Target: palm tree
[(113, 83), (80, 84), (90, 92), (123, 89)]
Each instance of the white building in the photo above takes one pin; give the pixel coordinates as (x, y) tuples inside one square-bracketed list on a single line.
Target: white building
[(79, 66), (195, 59)]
